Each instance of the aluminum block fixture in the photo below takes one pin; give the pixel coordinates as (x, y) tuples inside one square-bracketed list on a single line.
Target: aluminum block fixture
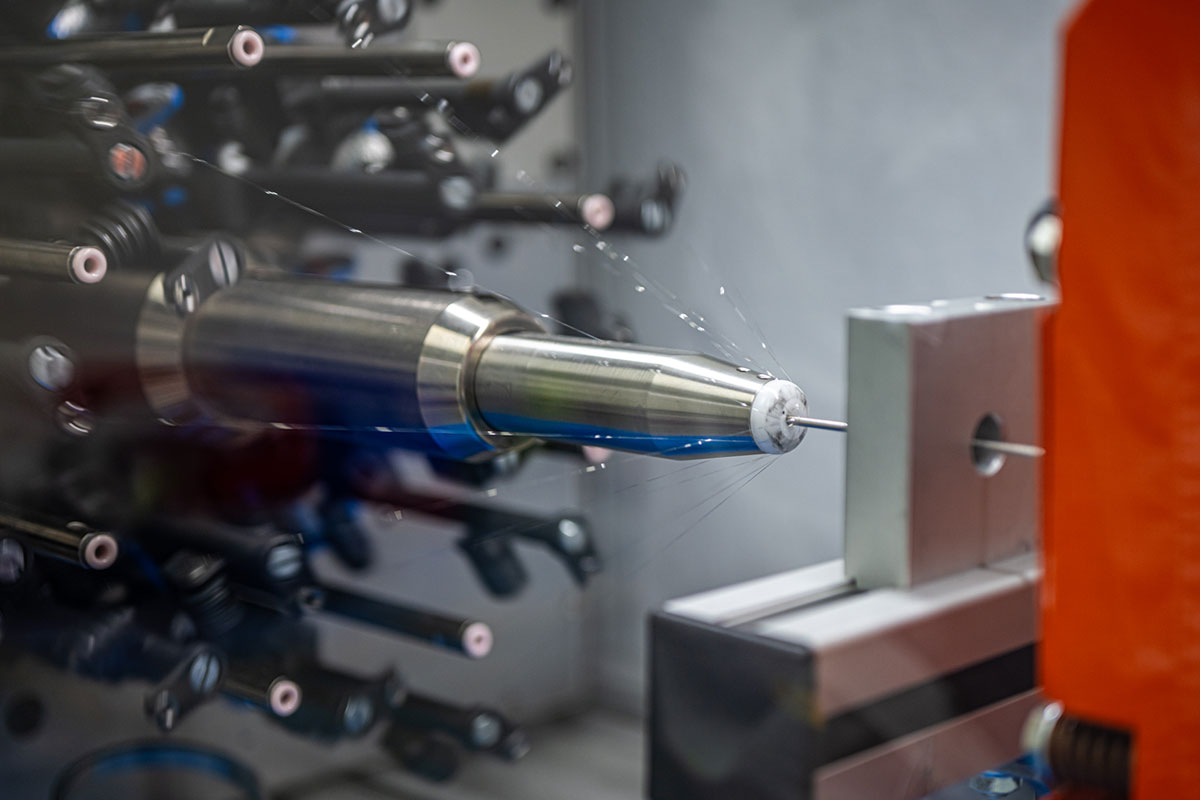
[(924, 382)]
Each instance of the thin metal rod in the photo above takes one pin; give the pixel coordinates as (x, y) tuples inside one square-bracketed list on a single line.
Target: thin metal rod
[(1010, 448), (823, 424)]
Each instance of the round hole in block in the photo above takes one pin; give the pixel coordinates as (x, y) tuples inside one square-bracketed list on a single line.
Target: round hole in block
[(987, 462)]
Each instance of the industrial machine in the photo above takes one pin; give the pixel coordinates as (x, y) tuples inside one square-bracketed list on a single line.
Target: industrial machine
[(192, 405)]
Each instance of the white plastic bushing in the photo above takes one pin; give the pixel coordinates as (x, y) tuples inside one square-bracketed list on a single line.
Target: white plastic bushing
[(100, 550), (463, 58), (598, 211), (284, 697), (477, 640), (88, 265)]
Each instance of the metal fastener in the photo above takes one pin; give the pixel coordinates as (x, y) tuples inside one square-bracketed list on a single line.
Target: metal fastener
[(284, 562), (12, 561), (572, 538), (486, 730), (358, 714), (186, 295), (204, 673), (51, 368), (995, 784), (127, 162)]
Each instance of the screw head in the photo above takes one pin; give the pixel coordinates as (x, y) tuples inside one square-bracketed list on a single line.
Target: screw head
[(12, 561), (127, 162), (572, 538), (51, 368), (485, 730), (75, 419), (223, 263), (995, 784), (358, 714), (187, 296), (528, 95), (99, 112), (204, 673), (284, 562), (457, 192)]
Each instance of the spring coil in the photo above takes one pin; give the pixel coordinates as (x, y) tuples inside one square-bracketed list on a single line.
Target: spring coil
[(1090, 756), (205, 592), (127, 234)]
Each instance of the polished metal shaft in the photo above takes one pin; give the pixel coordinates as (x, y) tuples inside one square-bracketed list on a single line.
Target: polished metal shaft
[(314, 353), (666, 402), (466, 374)]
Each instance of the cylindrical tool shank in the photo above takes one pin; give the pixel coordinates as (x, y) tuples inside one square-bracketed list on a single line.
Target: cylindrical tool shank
[(666, 402), (469, 637), (339, 355), (264, 687), (576, 209), (409, 59), (72, 542), (228, 47), (391, 191), (48, 261)]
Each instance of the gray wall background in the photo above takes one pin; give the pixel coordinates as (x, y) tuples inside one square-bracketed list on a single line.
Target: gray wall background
[(841, 154)]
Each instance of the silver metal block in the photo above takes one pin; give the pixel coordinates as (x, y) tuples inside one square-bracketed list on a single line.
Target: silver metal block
[(924, 380)]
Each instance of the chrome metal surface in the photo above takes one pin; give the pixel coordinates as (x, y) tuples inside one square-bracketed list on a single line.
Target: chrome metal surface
[(666, 402), (161, 326), (924, 381), (313, 353)]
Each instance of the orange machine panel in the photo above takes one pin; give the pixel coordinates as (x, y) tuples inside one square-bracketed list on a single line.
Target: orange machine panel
[(1122, 509)]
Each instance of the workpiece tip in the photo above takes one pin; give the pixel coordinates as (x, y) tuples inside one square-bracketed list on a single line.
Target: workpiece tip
[(774, 403)]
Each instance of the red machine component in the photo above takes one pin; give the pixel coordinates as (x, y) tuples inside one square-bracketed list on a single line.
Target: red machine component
[(1121, 618)]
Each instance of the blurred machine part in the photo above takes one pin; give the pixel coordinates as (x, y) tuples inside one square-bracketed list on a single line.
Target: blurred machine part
[(192, 405)]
